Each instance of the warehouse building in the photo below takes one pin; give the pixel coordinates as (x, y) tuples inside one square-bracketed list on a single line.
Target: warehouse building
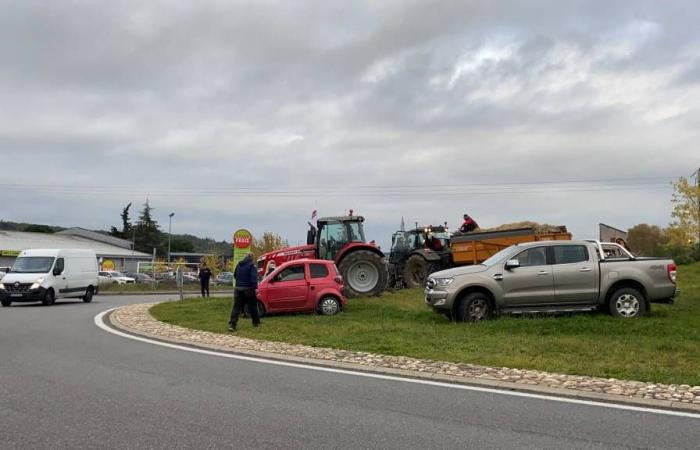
[(112, 253)]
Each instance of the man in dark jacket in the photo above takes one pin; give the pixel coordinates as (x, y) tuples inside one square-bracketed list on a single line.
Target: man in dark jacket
[(204, 276), (246, 275)]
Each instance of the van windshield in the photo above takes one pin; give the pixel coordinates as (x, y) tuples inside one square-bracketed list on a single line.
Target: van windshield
[(33, 264)]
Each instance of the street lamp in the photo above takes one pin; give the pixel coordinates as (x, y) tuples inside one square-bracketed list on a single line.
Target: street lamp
[(170, 225)]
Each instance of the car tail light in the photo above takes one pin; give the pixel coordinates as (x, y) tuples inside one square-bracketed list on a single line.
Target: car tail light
[(339, 279), (671, 269)]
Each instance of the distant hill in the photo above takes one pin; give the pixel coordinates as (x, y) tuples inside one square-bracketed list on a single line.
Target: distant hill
[(178, 242)]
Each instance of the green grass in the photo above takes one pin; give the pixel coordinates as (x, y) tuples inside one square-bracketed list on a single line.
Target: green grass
[(663, 347)]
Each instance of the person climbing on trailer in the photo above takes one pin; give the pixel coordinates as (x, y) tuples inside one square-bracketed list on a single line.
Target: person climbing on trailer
[(469, 225)]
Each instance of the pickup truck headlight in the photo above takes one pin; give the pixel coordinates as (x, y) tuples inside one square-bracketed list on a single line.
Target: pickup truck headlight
[(443, 282)]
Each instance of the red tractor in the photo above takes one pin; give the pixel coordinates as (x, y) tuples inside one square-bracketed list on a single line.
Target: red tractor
[(342, 240)]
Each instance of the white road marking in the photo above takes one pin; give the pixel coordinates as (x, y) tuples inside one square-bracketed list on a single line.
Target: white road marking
[(99, 321)]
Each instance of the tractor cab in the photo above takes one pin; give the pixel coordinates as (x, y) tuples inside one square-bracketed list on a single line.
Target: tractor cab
[(333, 234), (431, 238)]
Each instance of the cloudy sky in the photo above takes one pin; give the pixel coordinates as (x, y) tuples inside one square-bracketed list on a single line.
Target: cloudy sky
[(252, 114)]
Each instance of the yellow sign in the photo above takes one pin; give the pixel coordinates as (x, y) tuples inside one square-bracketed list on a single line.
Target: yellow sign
[(9, 252), (108, 264), (242, 243)]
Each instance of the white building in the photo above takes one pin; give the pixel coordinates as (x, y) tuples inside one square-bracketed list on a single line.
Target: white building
[(112, 253)]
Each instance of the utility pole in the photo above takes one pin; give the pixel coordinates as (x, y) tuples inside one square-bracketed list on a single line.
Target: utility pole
[(170, 225), (697, 200)]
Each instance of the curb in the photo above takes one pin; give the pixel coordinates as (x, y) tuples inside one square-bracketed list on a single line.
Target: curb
[(403, 373)]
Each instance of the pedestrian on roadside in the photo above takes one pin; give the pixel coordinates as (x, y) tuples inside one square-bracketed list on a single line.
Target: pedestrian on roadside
[(244, 294), (204, 276)]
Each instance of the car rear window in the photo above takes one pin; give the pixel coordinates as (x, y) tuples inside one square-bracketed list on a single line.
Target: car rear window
[(569, 254), (318, 270)]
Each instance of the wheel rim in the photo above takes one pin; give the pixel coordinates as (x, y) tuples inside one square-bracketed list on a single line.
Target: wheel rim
[(329, 306), (627, 305), (88, 295), (363, 276), (478, 309)]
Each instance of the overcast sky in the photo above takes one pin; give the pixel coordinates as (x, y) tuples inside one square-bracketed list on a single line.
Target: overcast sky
[(564, 112)]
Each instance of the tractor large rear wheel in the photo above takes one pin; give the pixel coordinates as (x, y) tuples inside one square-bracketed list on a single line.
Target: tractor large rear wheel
[(364, 272), (416, 271)]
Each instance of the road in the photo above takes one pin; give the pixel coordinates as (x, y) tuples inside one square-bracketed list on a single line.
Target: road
[(65, 383)]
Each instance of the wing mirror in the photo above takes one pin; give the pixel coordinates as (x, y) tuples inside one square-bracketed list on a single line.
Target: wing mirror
[(512, 264), (57, 271)]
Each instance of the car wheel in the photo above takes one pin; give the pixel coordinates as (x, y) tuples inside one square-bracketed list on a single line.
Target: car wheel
[(6, 302), (49, 298), (328, 306), (87, 298), (474, 307), (627, 303)]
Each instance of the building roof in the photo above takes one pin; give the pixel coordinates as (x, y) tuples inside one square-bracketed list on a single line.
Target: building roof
[(95, 236), (20, 240)]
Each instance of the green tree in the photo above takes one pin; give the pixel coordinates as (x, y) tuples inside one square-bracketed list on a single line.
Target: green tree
[(685, 228), (33, 228), (127, 228), (147, 232), (646, 240), (181, 245), (268, 242)]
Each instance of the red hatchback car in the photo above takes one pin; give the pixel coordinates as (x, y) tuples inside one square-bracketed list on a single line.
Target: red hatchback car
[(302, 285)]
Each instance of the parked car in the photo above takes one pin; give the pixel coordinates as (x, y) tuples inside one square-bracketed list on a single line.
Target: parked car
[(307, 285), (107, 277), (554, 276), (225, 278), (142, 278), (46, 275)]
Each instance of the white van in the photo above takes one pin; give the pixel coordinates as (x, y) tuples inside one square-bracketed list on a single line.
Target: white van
[(46, 275)]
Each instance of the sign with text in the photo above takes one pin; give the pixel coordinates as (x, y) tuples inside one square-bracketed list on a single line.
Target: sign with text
[(242, 244)]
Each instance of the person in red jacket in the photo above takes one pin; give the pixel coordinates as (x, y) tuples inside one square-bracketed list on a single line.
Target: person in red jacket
[(469, 225)]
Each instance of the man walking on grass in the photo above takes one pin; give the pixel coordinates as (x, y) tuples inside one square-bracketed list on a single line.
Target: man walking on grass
[(246, 276)]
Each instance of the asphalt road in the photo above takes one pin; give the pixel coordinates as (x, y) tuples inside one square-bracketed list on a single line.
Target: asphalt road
[(64, 383)]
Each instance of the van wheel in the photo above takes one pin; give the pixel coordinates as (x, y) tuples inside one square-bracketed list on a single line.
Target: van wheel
[(474, 307), (328, 306), (87, 298), (6, 302), (627, 303), (49, 298)]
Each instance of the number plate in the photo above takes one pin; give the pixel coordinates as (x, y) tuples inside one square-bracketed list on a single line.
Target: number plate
[(15, 295)]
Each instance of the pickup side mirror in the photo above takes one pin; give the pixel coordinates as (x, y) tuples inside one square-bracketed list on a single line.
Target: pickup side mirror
[(512, 264), (57, 271)]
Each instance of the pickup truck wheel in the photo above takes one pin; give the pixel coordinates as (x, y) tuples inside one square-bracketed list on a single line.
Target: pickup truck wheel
[(6, 302), (627, 303), (474, 308)]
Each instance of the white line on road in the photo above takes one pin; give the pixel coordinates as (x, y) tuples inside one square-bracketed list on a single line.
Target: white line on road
[(99, 321)]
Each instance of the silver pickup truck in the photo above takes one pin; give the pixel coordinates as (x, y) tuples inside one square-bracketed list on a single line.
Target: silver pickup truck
[(554, 276)]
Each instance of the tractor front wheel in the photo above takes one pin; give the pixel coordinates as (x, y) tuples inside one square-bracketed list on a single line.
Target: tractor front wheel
[(416, 271), (364, 272)]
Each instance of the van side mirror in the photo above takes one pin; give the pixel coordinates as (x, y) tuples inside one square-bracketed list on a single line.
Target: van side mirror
[(57, 271), (512, 264)]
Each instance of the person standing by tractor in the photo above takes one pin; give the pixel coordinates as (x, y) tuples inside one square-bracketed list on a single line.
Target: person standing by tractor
[(204, 277), (469, 225), (246, 275)]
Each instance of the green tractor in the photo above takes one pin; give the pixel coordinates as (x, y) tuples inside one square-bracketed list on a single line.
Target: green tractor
[(417, 253)]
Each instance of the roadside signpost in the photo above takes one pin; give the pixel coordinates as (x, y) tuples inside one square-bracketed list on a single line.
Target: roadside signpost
[(242, 244)]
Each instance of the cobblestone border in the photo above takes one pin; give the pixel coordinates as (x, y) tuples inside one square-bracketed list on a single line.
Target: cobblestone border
[(137, 319)]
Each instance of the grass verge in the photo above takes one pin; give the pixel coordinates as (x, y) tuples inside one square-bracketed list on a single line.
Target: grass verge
[(663, 347)]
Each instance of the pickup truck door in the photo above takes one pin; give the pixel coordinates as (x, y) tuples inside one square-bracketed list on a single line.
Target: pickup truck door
[(532, 283), (575, 274)]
